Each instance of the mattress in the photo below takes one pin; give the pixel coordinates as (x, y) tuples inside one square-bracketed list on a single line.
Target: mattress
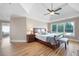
[(44, 37)]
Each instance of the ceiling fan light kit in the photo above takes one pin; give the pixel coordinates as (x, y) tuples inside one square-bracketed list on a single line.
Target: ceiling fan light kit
[(52, 11)]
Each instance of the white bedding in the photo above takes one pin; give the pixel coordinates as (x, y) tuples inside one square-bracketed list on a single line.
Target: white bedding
[(44, 37)]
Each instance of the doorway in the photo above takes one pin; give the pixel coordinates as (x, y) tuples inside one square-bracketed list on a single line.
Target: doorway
[(5, 30), (5, 34)]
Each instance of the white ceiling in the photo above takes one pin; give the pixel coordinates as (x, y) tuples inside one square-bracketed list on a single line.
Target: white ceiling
[(37, 10), (7, 10)]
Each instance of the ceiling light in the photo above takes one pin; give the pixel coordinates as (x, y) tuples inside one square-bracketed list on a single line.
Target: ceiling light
[(52, 13)]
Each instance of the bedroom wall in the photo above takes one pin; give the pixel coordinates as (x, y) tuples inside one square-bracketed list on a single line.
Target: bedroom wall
[(75, 20), (1, 21), (18, 29), (34, 24)]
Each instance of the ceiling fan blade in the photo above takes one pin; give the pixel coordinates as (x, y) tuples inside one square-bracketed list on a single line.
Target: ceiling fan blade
[(47, 14), (57, 13), (49, 10), (57, 9)]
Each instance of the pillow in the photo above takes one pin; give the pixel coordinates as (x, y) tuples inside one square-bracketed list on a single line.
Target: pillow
[(38, 31), (43, 33)]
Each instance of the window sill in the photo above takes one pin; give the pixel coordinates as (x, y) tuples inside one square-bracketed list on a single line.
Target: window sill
[(69, 34)]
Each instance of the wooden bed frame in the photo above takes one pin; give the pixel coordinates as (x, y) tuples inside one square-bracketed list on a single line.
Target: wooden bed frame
[(43, 42)]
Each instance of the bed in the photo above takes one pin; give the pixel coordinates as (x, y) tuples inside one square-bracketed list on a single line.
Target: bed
[(43, 37), (49, 37)]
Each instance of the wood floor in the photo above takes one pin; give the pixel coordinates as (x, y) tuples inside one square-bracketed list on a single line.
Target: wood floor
[(38, 49)]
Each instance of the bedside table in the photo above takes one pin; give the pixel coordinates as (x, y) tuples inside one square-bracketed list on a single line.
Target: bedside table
[(30, 37)]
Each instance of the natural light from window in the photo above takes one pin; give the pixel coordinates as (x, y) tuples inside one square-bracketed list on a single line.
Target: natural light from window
[(67, 28)]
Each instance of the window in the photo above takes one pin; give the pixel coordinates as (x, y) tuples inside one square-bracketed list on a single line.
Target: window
[(60, 28), (54, 27), (67, 28)]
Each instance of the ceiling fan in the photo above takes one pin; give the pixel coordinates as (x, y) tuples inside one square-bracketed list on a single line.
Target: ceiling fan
[(52, 11)]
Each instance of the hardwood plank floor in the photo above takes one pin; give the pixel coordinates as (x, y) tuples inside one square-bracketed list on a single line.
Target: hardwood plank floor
[(38, 49)]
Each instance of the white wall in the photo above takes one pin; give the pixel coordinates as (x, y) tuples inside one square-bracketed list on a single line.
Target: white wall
[(0, 33), (34, 24), (21, 25), (18, 29)]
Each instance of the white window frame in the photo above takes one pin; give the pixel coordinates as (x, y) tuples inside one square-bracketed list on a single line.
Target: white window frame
[(56, 26), (64, 27)]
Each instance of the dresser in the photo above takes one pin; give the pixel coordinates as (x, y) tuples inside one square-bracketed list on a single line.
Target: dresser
[(30, 37)]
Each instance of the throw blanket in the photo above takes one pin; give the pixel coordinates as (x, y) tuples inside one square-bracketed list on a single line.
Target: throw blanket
[(51, 40)]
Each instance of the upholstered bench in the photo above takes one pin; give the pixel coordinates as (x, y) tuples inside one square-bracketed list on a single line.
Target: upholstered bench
[(65, 41)]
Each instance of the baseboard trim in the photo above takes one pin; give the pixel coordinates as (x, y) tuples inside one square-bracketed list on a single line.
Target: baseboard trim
[(18, 41), (75, 41)]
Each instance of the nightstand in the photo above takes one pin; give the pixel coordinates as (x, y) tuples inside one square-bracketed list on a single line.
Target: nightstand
[(30, 37)]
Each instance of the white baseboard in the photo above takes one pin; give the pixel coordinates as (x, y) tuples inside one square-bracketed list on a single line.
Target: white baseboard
[(18, 41), (75, 40)]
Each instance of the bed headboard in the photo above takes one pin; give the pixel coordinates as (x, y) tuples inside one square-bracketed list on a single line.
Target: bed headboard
[(36, 30)]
